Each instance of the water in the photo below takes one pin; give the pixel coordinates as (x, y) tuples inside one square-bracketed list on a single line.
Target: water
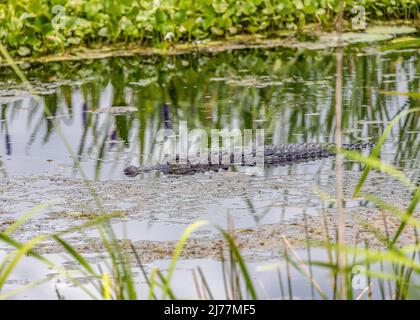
[(288, 93), (109, 112)]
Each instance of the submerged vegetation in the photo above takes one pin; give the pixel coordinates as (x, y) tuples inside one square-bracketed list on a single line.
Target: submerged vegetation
[(33, 27)]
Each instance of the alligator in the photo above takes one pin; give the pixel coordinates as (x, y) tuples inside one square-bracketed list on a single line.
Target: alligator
[(274, 155)]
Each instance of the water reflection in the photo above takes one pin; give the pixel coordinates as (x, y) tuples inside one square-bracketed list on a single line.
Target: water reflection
[(289, 93)]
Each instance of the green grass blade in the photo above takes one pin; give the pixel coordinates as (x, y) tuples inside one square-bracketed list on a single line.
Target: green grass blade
[(407, 44), (166, 286), (12, 64), (140, 264), (23, 288), (415, 95), (377, 149), (379, 165), (77, 256), (26, 216), (409, 213), (206, 285), (26, 248), (241, 263), (403, 216), (178, 249), (388, 255)]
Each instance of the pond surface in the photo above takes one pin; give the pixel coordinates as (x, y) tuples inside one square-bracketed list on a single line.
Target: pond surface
[(110, 110), (107, 113)]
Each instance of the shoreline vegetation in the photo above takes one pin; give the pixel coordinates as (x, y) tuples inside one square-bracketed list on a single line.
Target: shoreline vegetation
[(41, 30), (305, 39)]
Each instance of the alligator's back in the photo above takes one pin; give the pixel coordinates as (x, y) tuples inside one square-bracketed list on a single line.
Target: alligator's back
[(274, 155)]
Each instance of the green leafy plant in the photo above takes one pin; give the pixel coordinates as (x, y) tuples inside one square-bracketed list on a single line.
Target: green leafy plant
[(26, 26)]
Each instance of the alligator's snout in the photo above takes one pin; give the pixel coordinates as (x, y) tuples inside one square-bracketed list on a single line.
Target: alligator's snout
[(131, 171)]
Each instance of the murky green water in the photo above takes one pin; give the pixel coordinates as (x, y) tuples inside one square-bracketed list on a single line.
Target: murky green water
[(110, 110)]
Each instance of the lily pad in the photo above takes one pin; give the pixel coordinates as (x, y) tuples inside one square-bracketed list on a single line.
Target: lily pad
[(352, 37), (393, 30)]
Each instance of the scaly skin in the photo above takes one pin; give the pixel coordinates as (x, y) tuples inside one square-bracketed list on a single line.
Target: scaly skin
[(274, 155)]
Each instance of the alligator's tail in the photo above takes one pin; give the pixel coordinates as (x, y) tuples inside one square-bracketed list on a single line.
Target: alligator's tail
[(279, 154), (358, 146)]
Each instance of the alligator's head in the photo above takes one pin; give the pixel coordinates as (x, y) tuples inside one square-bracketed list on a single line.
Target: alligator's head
[(131, 171)]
